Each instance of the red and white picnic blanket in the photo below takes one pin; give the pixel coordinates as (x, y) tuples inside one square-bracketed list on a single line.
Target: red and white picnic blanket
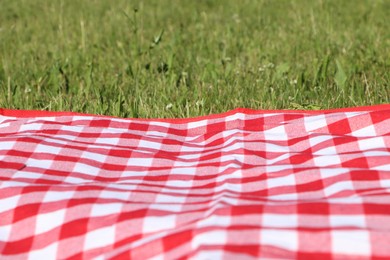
[(240, 185)]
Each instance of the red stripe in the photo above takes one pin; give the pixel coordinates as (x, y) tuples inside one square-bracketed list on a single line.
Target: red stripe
[(40, 113)]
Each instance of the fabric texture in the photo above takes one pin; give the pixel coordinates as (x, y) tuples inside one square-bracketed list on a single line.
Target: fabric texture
[(245, 184)]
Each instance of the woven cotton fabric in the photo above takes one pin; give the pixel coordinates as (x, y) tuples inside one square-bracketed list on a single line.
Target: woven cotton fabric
[(241, 185)]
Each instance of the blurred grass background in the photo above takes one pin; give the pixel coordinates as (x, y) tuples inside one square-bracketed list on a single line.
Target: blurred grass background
[(182, 58)]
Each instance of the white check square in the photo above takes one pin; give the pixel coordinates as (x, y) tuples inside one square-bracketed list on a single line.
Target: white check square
[(351, 242), (48, 221), (285, 239), (99, 238), (154, 224)]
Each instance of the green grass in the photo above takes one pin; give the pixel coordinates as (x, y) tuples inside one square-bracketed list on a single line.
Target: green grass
[(181, 58)]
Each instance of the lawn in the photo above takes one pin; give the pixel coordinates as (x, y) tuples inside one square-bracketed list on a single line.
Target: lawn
[(183, 58)]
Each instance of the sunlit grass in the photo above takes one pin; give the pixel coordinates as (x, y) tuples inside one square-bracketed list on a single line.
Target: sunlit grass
[(182, 58)]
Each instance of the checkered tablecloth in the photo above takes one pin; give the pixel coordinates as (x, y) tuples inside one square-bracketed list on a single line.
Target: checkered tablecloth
[(241, 185)]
